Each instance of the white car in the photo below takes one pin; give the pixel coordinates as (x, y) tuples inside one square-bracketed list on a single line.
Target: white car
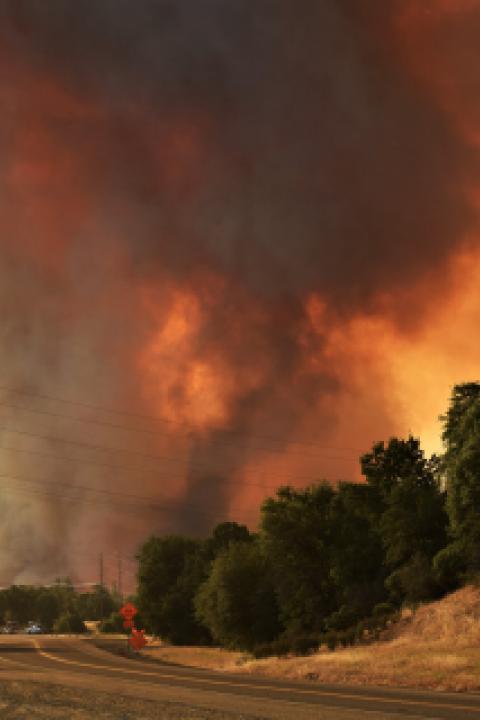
[(34, 629)]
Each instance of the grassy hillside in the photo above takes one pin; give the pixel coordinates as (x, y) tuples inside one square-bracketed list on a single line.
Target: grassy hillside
[(438, 646)]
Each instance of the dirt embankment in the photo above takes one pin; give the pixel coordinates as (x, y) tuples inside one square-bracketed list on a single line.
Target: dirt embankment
[(437, 647)]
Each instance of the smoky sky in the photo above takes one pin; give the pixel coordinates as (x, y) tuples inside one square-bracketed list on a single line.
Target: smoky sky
[(323, 167), (285, 148)]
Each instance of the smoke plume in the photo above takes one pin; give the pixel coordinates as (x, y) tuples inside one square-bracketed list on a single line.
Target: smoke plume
[(224, 219)]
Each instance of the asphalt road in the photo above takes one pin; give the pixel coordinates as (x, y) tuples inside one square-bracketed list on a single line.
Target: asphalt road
[(77, 661)]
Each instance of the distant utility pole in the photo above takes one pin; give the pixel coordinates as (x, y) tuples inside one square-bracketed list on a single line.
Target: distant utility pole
[(101, 585), (119, 579)]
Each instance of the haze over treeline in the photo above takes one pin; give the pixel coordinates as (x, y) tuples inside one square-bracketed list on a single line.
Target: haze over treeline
[(252, 221)]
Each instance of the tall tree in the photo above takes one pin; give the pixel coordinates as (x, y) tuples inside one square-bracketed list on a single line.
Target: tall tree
[(296, 529), (170, 572), (357, 553), (237, 602), (411, 512), (461, 434)]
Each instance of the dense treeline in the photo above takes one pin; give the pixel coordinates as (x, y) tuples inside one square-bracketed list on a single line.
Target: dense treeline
[(58, 607), (328, 563)]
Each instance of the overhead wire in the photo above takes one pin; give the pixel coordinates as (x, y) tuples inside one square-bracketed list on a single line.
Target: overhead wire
[(116, 466), (155, 418), (152, 500), (75, 499)]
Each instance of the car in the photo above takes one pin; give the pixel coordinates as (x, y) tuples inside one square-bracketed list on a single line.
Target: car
[(34, 629), (11, 627)]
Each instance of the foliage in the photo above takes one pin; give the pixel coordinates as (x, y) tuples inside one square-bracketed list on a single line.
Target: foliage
[(237, 602), (449, 565), (46, 605), (113, 624), (224, 534), (69, 622), (414, 581), (462, 468), (357, 554), (96, 605), (171, 570), (412, 518), (296, 533)]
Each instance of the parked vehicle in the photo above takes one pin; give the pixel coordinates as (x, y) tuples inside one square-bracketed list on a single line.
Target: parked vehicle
[(11, 627), (34, 628)]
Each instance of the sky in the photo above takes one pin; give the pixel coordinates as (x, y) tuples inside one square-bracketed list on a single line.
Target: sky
[(239, 244)]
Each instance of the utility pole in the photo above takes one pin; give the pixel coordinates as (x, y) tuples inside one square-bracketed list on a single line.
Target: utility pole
[(101, 585), (119, 579)]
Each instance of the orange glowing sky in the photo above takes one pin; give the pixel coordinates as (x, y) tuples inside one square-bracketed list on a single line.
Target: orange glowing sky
[(275, 252)]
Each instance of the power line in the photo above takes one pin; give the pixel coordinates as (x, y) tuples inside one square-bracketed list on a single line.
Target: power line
[(157, 434), (110, 449), (126, 508), (117, 466), (127, 468), (156, 418), (150, 499)]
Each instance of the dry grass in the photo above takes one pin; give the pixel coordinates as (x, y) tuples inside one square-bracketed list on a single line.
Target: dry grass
[(28, 700), (202, 657), (438, 647)]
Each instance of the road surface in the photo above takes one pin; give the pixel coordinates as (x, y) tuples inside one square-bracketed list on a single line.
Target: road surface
[(78, 662)]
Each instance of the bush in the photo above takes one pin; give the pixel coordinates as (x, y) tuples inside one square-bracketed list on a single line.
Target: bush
[(303, 645), (331, 640), (113, 624), (69, 622), (383, 610), (448, 566), (342, 619), (237, 602), (342, 638), (350, 636), (280, 647), (413, 582), (360, 631)]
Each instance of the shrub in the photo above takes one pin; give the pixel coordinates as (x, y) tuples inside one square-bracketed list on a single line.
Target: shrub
[(383, 610), (279, 647), (350, 636), (302, 645), (113, 624), (448, 566), (237, 602), (69, 622), (331, 640), (342, 619), (360, 631)]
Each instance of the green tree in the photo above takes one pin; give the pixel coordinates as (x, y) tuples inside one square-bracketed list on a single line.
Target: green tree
[(357, 554), (69, 622), (171, 570), (297, 535), (96, 605), (461, 434), (412, 519), (224, 534), (237, 602), (19, 601), (47, 608)]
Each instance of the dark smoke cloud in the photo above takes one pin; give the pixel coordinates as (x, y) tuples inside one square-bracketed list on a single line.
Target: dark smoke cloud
[(281, 146), (325, 169)]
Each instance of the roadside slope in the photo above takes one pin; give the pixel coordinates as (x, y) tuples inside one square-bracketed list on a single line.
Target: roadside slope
[(437, 647)]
